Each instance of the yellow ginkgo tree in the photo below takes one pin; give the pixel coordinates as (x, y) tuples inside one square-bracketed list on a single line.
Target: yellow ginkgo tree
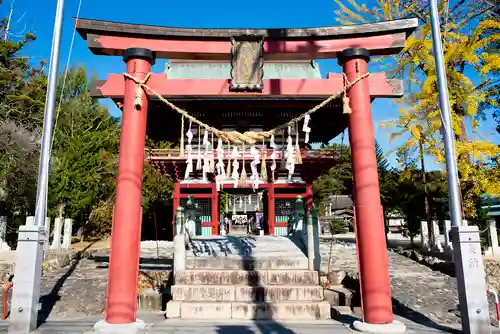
[(471, 60)]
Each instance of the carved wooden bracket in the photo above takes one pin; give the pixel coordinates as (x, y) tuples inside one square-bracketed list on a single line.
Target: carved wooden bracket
[(247, 62)]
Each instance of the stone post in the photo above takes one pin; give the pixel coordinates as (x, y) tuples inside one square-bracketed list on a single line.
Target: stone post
[(4, 247), (424, 236), (436, 243), (30, 221), (180, 242), (448, 246), (222, 227), (190, 217), (299, 215), (68, 230), (56, 241), (469, 263), (493, 250), (27, 276), (310, 242), (316, 233), (178, 222), (47, 232)]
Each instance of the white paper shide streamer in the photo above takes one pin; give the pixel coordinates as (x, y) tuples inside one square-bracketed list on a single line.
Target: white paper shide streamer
[(189, 150), (206, 157), (198, 158), (290, 161), (306, 128), (221, 173), (253, 166), (273, 156), (235, 174)]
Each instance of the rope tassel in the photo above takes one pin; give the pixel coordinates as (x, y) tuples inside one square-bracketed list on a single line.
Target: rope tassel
[(138, 98), (263, 168), (244, 177), (345, 104), (263, 165)]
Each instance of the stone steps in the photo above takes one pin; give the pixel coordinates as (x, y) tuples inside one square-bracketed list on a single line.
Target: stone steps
[(247, 278), (239, 277), (234, 263), (245, 293), (245, 310)]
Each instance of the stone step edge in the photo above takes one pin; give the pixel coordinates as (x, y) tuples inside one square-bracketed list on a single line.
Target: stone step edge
[(247, 293), (246, 277), (223, 286), (244, 258), (224, 310), (199, 270), (246, 264)]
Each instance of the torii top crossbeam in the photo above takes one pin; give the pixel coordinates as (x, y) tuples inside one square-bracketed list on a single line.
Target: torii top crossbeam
[(240, 46), (113, 38)]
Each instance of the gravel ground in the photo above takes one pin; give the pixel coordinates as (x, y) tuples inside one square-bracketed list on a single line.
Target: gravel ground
[(80, 290), (418, 292)]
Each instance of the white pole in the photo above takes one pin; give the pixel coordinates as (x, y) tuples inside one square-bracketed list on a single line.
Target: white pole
[(448, 136), (469, 267), (48, 120)]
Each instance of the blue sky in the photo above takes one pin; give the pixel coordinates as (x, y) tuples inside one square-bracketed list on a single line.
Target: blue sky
[(38, 16)]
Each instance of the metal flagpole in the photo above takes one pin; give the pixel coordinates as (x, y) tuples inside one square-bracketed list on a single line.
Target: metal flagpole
[(31, 239), (467, 255), (48, 120)]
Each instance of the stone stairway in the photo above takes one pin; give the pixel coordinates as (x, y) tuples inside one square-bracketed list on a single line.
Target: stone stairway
[(245, 277)]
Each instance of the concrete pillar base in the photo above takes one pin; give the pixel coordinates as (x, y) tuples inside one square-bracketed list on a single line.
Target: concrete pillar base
[(396, 327), (137, 327)]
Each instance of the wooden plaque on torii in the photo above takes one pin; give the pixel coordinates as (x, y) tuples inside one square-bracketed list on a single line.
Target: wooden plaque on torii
[(247, 62)]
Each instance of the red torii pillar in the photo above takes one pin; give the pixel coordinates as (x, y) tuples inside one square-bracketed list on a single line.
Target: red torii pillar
[(370, 230), (121, 302)]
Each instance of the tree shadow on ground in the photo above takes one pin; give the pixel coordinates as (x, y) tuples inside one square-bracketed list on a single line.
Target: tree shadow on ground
[(417, 317), (162, 263), (49, 300), (274, 328), (398, 308)]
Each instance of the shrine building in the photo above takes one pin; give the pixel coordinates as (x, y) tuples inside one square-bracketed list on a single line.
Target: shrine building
[(243, 111)]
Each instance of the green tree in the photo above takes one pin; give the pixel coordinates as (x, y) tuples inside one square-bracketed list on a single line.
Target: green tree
[(22, 96), (84, 152), (468, 55), (338, 179)]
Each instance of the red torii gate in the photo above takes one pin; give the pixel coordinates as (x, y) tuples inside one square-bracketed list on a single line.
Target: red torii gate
[(353, 45)]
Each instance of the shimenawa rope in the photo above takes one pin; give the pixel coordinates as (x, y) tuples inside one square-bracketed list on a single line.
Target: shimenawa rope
[(235, 137)]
